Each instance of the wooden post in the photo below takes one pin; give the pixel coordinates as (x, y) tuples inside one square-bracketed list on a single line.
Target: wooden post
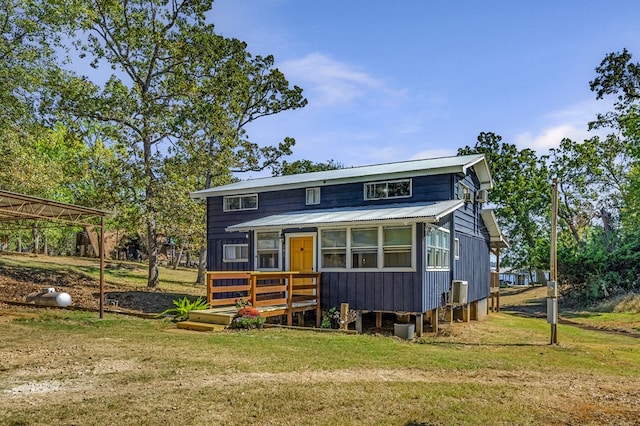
[(344, 313), (419, 324), (434, 320), (378, 319), (359, 322)]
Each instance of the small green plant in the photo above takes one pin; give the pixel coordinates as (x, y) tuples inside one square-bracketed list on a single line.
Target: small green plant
[(328, 318), (184, 306)]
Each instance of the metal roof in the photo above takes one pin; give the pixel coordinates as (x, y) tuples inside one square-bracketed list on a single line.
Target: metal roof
[(15, 206), (431, 212), (426, 167), (497, 238)]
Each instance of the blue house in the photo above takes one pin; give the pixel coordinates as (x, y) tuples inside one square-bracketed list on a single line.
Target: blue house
[(408, 237)]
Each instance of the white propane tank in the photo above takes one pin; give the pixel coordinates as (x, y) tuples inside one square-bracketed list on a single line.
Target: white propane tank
[(50, 297)]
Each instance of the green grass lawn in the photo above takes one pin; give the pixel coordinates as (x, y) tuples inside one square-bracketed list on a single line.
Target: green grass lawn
[(77, 369), (121, 273)]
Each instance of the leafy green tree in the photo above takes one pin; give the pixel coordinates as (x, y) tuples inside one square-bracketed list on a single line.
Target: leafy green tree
[(177, 87), (521, 195), (304, 166), (593, 179)]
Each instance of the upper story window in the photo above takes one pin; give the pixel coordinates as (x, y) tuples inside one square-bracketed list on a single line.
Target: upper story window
[(313, 196), (240, 202), (389, 189)]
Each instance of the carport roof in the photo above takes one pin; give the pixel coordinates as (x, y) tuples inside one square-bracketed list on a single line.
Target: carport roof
[(15, 206)]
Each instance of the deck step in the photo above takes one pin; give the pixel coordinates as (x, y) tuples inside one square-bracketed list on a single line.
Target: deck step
[(212, 316), (199, 326)]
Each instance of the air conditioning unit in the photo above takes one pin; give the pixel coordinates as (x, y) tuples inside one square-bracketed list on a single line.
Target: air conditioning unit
[(481, 196), (459, 291)]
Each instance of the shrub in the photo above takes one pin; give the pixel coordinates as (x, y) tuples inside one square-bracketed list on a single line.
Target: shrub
[(184, 306), (247, 316)]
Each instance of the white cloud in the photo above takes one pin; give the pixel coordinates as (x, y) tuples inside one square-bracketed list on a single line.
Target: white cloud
[(571, 122), (551, 137), (331, 83)]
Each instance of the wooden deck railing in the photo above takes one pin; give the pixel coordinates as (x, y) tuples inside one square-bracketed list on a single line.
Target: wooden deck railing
[(273, 293)]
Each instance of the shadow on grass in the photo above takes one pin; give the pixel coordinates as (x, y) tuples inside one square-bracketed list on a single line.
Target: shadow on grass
[(573, 314), (143, 301)]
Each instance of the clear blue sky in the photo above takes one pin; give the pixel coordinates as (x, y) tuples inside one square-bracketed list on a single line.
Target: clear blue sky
[(396, 80)]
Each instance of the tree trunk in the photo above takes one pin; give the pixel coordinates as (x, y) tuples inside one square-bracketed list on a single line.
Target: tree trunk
[(152, 248), (177, 262), (46, 245), (202, 266), (19, 244)]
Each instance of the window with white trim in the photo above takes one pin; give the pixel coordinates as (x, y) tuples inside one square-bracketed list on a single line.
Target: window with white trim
[(389, 189), (397, 242), (333, 248), (313, 196), (235, 252), (438, 250), (364, 248), (267, 250), (240, 202)]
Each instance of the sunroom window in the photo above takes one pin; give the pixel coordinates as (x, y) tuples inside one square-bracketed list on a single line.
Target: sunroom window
[(333, 246), (364, 248), (397, 243), (438, 250)]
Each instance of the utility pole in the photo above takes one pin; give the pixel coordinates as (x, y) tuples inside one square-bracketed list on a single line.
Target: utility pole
[(552, 285)]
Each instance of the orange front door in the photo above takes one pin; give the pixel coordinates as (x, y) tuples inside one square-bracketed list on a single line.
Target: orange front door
[(301, 254)]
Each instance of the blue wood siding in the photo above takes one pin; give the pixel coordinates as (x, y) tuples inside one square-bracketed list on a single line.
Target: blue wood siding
[(473, 266), (437, 285), (375, 291)]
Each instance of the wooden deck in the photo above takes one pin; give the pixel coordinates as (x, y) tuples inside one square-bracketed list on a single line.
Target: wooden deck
[(272, 293)]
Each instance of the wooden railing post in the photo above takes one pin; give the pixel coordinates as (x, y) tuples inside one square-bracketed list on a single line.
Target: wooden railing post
[(253, 281)]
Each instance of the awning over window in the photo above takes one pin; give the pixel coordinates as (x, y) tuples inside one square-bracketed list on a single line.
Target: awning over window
[(427, 212)]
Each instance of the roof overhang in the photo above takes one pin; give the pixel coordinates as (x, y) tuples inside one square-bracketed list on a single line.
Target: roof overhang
[(497, 238), (406, 213)]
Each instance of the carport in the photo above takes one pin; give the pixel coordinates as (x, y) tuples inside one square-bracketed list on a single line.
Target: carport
[(18, 207)]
